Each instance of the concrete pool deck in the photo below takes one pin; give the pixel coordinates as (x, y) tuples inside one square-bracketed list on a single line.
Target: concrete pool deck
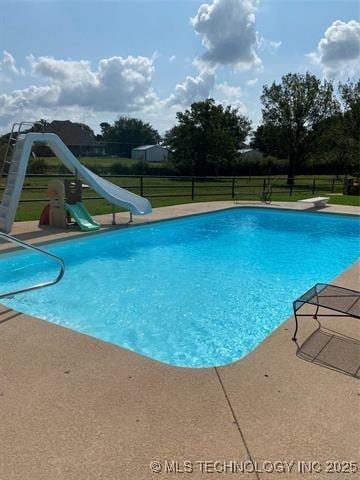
[(74, 407)]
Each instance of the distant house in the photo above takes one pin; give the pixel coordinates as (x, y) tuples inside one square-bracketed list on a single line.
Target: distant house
[(77, 137), (150, 153)]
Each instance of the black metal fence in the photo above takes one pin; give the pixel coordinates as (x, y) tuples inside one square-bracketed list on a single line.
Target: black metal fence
[(162, 187)]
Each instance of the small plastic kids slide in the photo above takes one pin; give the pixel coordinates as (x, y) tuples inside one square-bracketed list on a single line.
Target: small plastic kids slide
[(82, 217)]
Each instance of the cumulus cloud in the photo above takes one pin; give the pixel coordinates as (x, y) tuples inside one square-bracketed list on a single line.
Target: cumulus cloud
[(227, 29), (24, 104), (121, 85), (118, 84), (338, 52), (229, 95), (172, 58), (229, 91), (193, 89), (62, 71)]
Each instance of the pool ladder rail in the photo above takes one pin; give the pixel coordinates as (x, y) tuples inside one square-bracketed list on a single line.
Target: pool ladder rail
[(28, 246), (16, 132)]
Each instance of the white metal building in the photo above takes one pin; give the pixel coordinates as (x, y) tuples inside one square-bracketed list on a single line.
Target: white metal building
[(150, 153), (250, 153)]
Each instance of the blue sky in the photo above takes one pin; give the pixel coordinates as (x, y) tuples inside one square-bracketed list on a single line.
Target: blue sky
[(92, 61)]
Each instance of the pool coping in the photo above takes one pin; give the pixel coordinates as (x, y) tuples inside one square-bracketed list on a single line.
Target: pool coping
[(138, 221), (58, 378)]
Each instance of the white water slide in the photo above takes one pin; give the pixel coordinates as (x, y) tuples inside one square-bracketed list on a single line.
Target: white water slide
[(16, 174)]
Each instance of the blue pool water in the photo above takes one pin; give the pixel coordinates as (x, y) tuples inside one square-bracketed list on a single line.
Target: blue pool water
[(193, 292)]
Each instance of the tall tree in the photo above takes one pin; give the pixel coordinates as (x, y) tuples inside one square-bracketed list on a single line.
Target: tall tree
[(330, 148), (336, 139), (206, 138), (86, 128), (350, 97), (127, 133), (296, 106), (270, 140)]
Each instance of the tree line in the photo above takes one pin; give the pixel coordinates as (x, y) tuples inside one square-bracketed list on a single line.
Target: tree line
[(307, 124)]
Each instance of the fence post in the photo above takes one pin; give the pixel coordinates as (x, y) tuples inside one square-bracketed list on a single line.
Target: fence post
[(192, 188), (333, 185), (313, 186), (264, 184), (291, 189), (233, 188), (141, 186)]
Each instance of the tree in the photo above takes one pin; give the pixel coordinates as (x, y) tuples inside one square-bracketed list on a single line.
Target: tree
[(105, 129), (350, 96), (270, 140), (40, 125), (296, 106), (336, 139), (206, 138), (330, 147), (86, 128), (127, 133)]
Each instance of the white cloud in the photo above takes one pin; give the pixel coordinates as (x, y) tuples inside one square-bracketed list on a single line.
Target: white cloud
[(62, 71), (229, 95), (229, 91), (172, 58), (275, 45), (252, 82), (118, 84), (270, 46), (193, 89), (338, 52), (227, 28), (8, 64), (25, 104), (121, 85)]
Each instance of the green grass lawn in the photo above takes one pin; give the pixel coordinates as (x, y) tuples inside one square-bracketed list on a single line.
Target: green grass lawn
[(165, 191)]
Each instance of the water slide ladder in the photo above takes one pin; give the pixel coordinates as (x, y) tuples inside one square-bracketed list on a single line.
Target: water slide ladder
[(13, 170)]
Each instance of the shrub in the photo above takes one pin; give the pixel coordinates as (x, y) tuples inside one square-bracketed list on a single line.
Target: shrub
[(140, 168), (38, 165), (117, 168), (63, 170)]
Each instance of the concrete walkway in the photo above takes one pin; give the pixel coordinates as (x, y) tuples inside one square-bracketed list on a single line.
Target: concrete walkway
[(73, 407)]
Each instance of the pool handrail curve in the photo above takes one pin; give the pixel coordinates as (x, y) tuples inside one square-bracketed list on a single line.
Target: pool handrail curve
[(28, 246)]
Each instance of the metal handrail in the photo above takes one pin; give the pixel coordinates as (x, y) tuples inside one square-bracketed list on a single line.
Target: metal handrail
[(59, 260), (19, 126)]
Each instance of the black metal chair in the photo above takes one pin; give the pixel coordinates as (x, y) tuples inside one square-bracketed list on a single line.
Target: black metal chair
[(330, 297)]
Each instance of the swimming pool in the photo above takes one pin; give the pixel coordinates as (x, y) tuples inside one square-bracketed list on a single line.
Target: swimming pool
[(194, 292)]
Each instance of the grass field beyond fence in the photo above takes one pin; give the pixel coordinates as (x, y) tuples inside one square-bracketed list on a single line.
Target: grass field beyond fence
[(162, 191)]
